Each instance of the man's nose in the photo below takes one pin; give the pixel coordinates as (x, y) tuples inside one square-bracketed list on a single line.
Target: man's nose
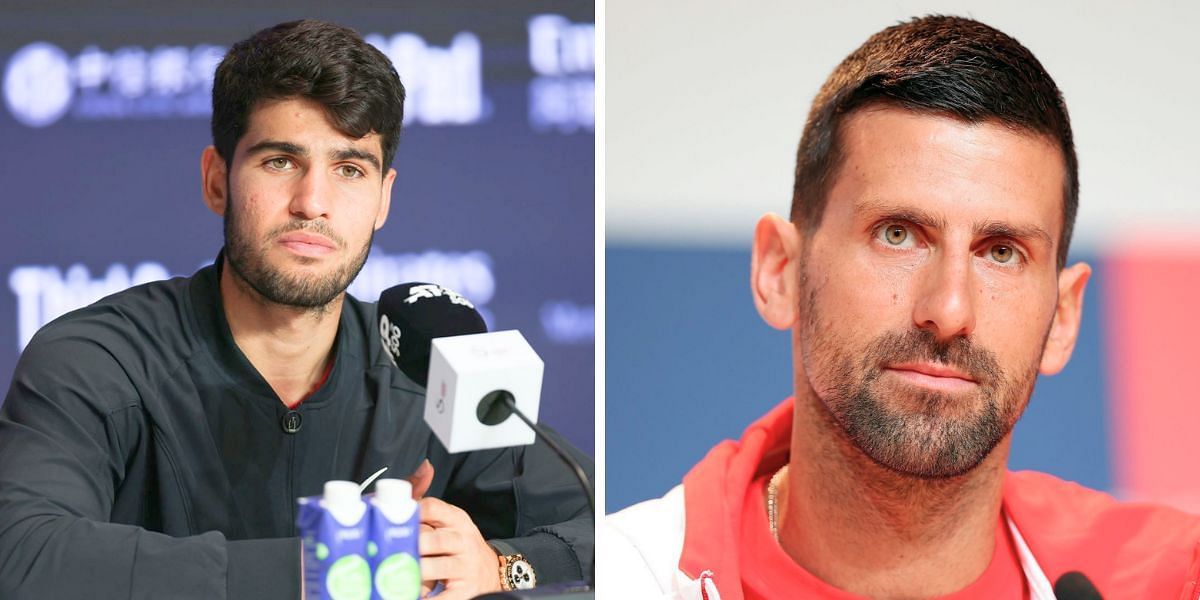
[(945, 298), (311, 196)]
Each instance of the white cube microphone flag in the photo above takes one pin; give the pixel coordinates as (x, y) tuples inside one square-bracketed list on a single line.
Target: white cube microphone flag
[(468, 375), (439, 340)]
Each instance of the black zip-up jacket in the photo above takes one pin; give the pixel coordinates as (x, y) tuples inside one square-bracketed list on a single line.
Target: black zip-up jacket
[(143, 456)]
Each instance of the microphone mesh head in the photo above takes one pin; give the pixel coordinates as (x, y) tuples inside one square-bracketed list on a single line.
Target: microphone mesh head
[(412, 315), (1074, 585)]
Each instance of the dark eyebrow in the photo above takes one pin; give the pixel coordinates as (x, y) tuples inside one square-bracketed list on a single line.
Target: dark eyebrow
[(349, 153), (883, 212), (1016, 232), (285, 147)]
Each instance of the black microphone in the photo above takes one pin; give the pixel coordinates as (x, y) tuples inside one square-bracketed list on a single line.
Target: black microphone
[(1074, 585), (412, 315)]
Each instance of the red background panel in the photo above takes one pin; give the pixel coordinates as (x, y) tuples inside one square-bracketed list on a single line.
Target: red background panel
[(1152, 295)]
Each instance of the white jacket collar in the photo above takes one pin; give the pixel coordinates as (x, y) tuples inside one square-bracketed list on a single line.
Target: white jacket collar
[(702, 588)]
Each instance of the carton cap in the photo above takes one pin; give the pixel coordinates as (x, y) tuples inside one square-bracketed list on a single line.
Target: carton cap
[(393, 490), (394, 499), (341, 492)]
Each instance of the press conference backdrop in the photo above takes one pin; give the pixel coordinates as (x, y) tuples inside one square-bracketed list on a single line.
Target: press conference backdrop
[(105, 113), (705, 103)]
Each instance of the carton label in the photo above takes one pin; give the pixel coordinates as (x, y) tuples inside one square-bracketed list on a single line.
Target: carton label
[(395, 556), (335, 564)]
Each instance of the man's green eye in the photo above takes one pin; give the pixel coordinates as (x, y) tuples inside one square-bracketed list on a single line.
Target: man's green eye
[(895, 235), (1002, 254)]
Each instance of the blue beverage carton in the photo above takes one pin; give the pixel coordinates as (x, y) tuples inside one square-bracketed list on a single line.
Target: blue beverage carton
[(334, 530), (394, 554)]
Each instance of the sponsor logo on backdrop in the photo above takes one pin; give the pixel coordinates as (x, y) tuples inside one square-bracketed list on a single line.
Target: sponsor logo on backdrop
[(45, 292), (443, 86), (562, 96), (43, 83), (565, 322), (37, 84), (470, 273)]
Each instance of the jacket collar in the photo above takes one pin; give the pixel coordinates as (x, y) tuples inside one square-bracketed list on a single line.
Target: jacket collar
[(714, 511)]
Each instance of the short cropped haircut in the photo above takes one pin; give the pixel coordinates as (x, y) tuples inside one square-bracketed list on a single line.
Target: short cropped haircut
[(323, 62), (940, 65)]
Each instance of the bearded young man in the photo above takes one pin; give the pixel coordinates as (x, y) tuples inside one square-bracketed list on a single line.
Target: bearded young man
[(923, 276), (154, 444)]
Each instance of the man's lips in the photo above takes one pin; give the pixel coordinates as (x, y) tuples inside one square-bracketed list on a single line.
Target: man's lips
[(310, 244), (933, 375)]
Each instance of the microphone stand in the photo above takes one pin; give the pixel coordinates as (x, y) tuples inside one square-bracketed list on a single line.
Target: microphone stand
[(493, 409), (511, 404)]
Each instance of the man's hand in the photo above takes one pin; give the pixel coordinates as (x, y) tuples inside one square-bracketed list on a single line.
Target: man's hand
[(453, 551), (421, 479)]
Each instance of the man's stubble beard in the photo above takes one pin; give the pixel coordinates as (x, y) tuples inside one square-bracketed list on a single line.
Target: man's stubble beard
[(275, 286), (937, 440)]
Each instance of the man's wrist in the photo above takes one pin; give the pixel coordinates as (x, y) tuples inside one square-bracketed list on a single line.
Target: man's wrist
[(499, 568)]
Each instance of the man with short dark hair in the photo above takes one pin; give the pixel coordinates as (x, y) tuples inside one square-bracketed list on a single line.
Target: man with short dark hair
[(923, 278), (154, 444)]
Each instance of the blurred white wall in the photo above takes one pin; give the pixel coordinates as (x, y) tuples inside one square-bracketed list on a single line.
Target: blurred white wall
[(705, 102)]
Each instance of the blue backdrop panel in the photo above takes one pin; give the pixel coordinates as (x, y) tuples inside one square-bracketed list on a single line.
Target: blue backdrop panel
[(105, 113), (690, 363)]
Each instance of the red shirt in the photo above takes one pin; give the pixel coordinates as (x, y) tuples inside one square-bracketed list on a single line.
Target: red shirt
[(1127, 550), (768, 572)]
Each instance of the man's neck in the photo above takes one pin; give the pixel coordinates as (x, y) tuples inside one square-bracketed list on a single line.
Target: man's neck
[(290, 347), (868, 530)]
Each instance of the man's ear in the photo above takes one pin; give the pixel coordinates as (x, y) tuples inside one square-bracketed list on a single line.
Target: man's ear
[(774, 278), (1064, 330), (213, 179), (385, 201)]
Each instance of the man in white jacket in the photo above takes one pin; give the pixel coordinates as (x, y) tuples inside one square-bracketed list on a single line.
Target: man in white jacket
[(923, 276)]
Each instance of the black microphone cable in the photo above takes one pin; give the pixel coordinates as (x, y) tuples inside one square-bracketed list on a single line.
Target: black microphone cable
[(495, 407)]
